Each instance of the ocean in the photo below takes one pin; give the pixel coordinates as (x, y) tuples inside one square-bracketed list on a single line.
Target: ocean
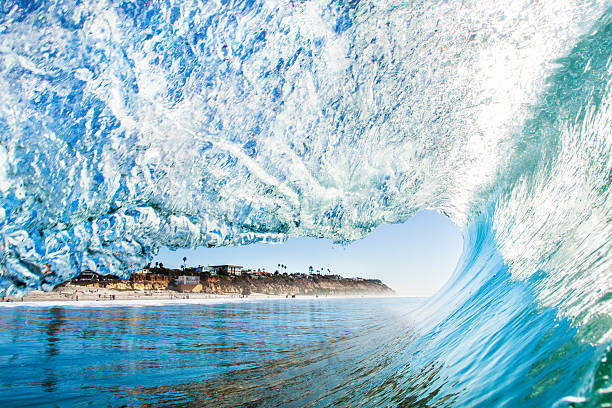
[(287, 352), (370, 352)]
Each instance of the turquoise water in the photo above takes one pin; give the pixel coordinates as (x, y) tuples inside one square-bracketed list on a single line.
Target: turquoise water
[(287, 353), (263, 353)]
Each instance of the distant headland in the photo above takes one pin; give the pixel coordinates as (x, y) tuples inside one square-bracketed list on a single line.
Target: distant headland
[(233, 280), (208, 281)]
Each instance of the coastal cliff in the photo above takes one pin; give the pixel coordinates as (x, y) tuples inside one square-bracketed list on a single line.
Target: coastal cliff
[(272, 284)]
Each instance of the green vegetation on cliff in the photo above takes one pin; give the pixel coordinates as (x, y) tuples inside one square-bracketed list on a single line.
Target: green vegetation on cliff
[(194, 281)]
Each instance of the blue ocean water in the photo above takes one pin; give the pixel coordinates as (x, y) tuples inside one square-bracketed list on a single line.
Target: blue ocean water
[(127, 125), (371, 352), (287, 352)]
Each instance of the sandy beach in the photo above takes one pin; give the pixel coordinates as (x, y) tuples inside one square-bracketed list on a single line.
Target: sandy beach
[(75, 295), (81, 294)]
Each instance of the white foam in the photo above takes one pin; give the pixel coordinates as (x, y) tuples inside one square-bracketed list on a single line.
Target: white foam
[(175, 302)]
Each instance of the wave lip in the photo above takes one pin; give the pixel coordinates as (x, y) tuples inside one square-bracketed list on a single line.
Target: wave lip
[(127, 127)]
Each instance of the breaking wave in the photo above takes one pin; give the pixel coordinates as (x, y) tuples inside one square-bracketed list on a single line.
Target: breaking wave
[(126, 126)]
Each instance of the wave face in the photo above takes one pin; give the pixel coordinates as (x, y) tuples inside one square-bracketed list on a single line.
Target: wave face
[(125, 127)]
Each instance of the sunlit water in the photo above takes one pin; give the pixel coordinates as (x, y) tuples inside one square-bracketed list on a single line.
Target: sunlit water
[(262, 353)]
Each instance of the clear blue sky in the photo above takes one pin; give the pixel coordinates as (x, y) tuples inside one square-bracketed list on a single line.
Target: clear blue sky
[(415, 258)]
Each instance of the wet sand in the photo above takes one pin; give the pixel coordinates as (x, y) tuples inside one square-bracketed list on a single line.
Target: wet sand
[(76, 293)]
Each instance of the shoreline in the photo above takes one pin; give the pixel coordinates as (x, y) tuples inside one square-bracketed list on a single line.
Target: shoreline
[(81, 296)]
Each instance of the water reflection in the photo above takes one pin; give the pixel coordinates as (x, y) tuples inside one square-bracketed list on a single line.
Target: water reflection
[(321, 381), (53, 328), (269, 353)]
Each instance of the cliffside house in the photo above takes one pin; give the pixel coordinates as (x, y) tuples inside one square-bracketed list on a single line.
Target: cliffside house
[(89, 276), (203, 269), (227, 269)]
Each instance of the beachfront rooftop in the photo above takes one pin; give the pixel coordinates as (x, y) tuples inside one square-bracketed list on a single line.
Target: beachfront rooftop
[(227, 269)]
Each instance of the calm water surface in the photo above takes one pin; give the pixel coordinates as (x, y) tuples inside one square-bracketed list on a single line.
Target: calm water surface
[(293, 352)]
